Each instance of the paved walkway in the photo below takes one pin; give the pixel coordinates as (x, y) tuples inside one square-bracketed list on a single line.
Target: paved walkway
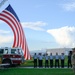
[(46, 67)]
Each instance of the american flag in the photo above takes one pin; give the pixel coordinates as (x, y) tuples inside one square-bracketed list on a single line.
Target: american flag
[(9, 16)]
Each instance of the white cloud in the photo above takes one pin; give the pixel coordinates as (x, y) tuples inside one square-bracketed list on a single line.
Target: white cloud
[(34, 25), (65, 36), (69, 6), (4, 32), (1, 22), (5, 39)]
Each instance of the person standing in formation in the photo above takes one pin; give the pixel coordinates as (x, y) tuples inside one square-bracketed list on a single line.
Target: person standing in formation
[(46, 60), (62, 58), (56, 60), (51, 60), (40, 58), (35, 60), (69, 60), (73, 60)]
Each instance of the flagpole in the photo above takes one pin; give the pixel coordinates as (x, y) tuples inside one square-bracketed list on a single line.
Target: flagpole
[(2, 3)]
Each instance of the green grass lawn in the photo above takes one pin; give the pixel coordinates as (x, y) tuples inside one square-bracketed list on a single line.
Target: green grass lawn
[(32, 71), (36, 71)]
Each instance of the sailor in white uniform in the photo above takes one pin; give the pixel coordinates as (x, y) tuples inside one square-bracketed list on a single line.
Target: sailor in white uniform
[(62, 57), (57, 60), (46, 60), (35, 60), (51, 60), (40, 58)]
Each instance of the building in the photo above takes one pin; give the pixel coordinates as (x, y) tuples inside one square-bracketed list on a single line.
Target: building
[(58, 50)]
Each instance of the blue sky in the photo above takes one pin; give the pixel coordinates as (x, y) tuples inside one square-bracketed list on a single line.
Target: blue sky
[(46, 23)]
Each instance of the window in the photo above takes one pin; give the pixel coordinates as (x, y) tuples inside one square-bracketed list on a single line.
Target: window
[(18, 51), (1, 51), (6, 51), (13, 51)]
